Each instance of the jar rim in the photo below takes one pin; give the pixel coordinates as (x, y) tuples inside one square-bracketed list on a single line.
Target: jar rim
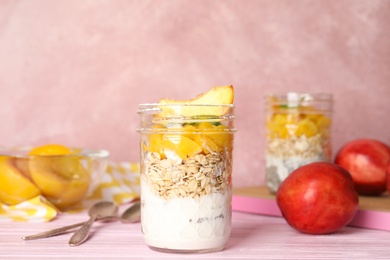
[(305, 96), (156, 108), (147, 105)]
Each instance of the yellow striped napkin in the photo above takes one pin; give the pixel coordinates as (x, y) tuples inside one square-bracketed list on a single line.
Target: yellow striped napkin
[(120, 184), (37, 209)]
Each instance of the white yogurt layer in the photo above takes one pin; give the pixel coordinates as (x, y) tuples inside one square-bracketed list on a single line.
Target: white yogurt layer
[(278, 168), (186, 223)]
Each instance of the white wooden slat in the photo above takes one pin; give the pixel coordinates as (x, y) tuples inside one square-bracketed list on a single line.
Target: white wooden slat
[(253, 237)]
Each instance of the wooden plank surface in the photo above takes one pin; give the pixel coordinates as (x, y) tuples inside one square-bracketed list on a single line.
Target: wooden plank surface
[(253, 237)]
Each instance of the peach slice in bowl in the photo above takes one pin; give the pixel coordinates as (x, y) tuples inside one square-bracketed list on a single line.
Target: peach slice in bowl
[(64, 176)]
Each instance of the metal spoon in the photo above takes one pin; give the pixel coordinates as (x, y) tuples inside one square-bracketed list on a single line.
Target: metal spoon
[(101, 209), (131, 215), (61, 230)]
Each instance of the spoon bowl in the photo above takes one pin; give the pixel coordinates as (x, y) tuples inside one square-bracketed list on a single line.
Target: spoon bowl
[(101, 209), (132, 214)]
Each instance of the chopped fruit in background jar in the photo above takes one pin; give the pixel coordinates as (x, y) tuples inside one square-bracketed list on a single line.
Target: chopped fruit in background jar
[(290, 125), (297, 132)]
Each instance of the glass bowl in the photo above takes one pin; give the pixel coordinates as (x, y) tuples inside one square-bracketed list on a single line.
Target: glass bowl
[(64, 180)]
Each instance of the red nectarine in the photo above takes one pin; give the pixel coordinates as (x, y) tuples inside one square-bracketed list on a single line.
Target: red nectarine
[(388, 179), (318, 198), (367, 161)]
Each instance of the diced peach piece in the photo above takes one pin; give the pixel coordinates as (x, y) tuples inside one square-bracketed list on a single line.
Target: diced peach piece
[(323, 122), (155, 141), (181, 145), (218, 134), (277, 126), (207, 144), (307, 128), (189, 131)]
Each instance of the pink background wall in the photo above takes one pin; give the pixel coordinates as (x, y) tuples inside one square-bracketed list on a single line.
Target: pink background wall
[(73, 72)]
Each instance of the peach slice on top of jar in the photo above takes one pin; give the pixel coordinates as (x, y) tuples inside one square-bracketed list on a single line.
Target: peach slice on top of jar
[(216, 95)]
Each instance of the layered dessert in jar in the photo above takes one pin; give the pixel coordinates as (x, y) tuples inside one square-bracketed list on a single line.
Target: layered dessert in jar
[(186, 176), (297, 133)]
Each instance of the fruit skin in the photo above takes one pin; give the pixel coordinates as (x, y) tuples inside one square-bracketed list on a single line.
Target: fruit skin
[(221, 95), (367, 160), (318, 198), (216, 95), (388, 179)]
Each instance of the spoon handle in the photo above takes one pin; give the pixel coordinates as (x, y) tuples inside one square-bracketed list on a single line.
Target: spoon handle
[(82, 234), (58, 231), (53, 232)]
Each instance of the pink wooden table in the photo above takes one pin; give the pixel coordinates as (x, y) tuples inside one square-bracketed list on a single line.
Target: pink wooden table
[(253, 237)]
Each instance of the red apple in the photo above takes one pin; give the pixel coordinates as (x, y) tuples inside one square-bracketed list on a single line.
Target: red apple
[(367, 161), (318, 198), (388, 179)]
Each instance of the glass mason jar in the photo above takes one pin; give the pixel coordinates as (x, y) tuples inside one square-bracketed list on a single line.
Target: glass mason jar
[(298, 128), (186, 176)]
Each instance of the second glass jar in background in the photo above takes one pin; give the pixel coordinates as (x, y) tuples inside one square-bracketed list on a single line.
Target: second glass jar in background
[(298, 132), (186, 182)]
